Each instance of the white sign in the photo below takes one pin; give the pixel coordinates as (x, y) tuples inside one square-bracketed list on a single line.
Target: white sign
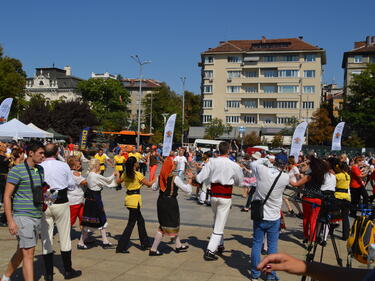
[(5, 109), (337, 134), (298, 139), (168, 135)]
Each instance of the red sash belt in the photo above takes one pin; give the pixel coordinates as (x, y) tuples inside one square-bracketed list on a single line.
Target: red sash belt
[(220, 190)]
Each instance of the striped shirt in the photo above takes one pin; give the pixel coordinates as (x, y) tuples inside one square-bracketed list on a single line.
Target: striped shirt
[(23, 204)]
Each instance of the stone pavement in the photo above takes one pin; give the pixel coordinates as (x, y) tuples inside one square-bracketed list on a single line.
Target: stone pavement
[(99, 264)]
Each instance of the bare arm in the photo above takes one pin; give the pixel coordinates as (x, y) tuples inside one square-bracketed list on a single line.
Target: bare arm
[(9, 189), (301, 181), (148, 183)]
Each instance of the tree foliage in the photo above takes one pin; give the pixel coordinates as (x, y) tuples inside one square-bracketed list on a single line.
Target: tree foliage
[(354, 141), (359, 108), (12, 81), (216, 128), (109, 101), (277, 141), (252, 139), (320, 128)]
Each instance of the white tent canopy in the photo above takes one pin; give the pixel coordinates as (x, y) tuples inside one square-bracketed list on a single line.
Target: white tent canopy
[(16, 129), (47, 134)]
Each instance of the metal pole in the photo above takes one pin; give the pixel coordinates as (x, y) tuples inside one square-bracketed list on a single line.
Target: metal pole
[(183, 79), (151, 115)]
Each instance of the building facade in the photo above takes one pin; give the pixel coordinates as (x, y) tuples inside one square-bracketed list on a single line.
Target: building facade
[(53, 84), (260, 84), (357, 59), (333, 96)]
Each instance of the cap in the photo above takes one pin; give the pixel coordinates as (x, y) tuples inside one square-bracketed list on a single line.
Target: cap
[(257, 155)]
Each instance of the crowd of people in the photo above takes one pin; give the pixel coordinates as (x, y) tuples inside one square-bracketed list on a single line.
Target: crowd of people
[(43, 186)]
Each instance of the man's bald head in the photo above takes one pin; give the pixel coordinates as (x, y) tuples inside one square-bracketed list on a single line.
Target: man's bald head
[(50, 150)]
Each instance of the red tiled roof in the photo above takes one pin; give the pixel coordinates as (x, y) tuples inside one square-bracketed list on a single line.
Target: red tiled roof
[(287, 44), (147, 83)]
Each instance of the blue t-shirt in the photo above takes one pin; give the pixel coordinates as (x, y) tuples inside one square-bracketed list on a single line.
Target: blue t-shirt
[(23, 204)]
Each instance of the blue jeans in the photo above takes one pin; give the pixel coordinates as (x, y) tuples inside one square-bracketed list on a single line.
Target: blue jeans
[(260, 228)]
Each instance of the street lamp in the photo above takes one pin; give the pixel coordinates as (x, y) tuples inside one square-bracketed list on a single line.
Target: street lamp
[(183, 80), (141, 64), (165, 115)]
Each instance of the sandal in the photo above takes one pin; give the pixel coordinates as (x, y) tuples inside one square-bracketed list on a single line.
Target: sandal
[(183, 248)]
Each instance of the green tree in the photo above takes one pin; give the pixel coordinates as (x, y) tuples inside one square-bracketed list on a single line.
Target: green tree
[(354, 141), (320, 128), (12, 81), (359, 107), (252, 139), (216, 128), (277, 141), (109, 101), (37, 111), (192, 109)]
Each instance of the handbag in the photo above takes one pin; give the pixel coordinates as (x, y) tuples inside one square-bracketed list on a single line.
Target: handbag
[(257, 206), (39, 191)]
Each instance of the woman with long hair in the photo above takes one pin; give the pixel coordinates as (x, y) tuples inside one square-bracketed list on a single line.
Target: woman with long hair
[(314, 170), (153, 162), (167, 206), (133, 181)]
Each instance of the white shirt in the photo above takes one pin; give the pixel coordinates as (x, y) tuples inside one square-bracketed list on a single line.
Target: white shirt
[(76, 193), (221, 170), (329, 183), (181, 161), (265, 177), (293, 173), (178, 181), (57, 174), (97, 182)]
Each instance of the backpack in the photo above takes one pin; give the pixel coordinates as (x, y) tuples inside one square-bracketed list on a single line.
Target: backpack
[(362, 235)]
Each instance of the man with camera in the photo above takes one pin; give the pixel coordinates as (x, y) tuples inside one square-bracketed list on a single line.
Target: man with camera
[(265, 208), (22, 181)]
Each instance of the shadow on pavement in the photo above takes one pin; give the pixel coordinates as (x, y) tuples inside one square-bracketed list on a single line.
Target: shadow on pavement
[(238, 260)]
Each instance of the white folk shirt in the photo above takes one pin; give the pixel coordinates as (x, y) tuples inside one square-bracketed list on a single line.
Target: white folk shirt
[(181, 161), (97, 182), (329, 183), (293, 173), (265, 177), (57, 174), (221, 170), (76, 193), (185, 187)]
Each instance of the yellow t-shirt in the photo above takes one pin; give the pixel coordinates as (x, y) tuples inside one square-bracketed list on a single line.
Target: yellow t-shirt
[(137, 155), (132, 201), (119, 160), (101, 160), (343, 182)]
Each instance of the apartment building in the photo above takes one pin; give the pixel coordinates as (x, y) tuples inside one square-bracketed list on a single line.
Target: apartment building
[(357, 59), (261, 83)]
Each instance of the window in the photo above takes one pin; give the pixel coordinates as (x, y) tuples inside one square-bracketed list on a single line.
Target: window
[(309, 89), (309, 73), (310, 57), (208, 74), (372, 59), (249, 119), (286, 104), (207, 103), (270, 73), (234, 59), (233, 89), (284, 120), (207, 118), (269, 104), (358, 59), (41, 83), (308, 104), (288, 89), (250, 89), (268, 120), (232, 119), (250, 104), (250, 74), (233, 104), (288, 73), (269, 58), (207, 89), (234, 74), (291, 58), (356, 72), (208, 60), (269, 89)]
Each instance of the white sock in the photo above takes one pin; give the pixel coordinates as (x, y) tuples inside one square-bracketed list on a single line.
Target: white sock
[(83, 236), (178, 242), (104, 236), (157, 239), (4, 278)]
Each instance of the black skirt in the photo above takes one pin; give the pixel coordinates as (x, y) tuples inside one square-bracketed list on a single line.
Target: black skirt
[(168, 215), (93, 212)]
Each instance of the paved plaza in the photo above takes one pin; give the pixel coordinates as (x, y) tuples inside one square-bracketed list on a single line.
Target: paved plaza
[(99, 264)]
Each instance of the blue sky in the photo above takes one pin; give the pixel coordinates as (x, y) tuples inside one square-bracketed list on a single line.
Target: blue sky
[(98, 36)]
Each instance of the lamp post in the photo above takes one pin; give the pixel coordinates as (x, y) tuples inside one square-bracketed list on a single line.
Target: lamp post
[(141, 64), (151, 114), (183, 80), (165, 115)]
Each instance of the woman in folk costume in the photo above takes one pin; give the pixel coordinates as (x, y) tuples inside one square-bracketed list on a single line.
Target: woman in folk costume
[(167, 206)]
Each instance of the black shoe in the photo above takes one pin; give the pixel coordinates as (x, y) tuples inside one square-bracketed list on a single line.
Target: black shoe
[(154, 253), (300, 216), (48, 277), (183, 248), (209, 256), (72, 274), (245, 210), (81, 247), (291, 213), (122, 251), (145, 248), (107, 246), (220, 249), (263, 252)]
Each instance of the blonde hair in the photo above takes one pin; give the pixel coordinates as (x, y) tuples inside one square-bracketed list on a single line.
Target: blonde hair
[(93, 163), (71, 161)]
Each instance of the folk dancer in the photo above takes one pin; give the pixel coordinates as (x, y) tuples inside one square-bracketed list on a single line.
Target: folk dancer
[(103, 159)]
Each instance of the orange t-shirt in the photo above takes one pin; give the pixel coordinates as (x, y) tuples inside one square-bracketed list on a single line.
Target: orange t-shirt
[(355, 178)]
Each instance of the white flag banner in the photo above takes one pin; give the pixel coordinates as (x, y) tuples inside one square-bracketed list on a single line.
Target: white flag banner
[(297, 140), (337, 134), (168, 135), (5, 109)]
